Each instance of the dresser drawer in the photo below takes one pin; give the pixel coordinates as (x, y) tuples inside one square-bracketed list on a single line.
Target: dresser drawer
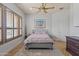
[(73, 49), (73, 40), (71, 52), (73, 43)]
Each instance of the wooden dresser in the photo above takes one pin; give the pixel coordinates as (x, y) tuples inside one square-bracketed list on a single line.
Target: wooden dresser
[(72, 45)]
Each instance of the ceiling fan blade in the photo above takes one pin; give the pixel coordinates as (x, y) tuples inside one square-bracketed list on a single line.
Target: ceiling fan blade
[(35, 7), (49, 7), (44, 8), (61, 8)]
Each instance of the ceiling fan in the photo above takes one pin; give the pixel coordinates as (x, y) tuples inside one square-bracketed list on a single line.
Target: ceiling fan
[(43, 8)]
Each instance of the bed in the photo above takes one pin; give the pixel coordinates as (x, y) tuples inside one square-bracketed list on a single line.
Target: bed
[(38, 40)]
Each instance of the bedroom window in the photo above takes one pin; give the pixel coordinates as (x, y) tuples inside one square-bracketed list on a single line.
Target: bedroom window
[(17, 25), (20, 26), (10, 25), (13, 22), (0, 24)]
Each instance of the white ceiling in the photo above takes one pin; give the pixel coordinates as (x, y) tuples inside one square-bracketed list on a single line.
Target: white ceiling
[(27, 7)]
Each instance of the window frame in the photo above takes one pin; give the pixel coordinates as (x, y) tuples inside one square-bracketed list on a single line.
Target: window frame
[(1, 28), (8, 27), (4, 27)]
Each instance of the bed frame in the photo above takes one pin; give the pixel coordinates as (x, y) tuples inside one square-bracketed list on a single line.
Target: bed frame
[(39, 46)]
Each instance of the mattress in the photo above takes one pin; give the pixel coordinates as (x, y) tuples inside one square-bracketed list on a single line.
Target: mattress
[(38, 38)]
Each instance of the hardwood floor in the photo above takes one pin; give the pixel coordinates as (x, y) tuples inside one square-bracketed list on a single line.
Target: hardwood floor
[(62, 47), (59, 44), (15, 50)]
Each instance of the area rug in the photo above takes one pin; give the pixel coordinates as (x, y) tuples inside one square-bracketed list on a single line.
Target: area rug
[(40, 52)]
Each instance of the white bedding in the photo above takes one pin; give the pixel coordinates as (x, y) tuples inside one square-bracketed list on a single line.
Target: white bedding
[(38, 38)]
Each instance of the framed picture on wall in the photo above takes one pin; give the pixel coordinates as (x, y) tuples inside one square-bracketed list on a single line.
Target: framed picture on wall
[(40, 23)]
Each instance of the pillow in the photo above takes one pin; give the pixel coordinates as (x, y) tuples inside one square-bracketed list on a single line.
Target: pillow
[(39, 31)]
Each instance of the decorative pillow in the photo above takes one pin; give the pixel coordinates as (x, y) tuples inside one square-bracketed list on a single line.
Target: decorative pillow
[(39, 31)]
